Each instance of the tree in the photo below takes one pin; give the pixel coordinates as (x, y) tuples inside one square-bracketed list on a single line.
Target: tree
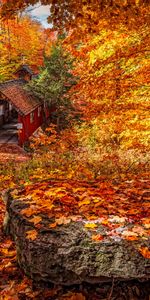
[(22, 40), (54, 82), (113, 93), (84, 14)]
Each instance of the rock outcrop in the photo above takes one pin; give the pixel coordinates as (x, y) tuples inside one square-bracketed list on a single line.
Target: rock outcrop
[(67, 254)]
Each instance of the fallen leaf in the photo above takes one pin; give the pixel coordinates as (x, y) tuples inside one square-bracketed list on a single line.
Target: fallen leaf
[(128, 233), (75, 218), (73, 296), (90, 225), (28, 212), (147, 226), (117, 219), (139, 230), (145, 252), (31, 234), (36, 220), (105, 222), (53, 225), (84, 202), (96, 200), (131, 238), (97, 237), (146, 223), (63, 220)]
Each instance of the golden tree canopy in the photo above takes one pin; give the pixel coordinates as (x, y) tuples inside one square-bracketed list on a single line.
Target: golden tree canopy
[(82, 13)]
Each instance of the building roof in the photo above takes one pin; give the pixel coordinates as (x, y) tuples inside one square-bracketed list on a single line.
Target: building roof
[(24, 68), (22, 100)]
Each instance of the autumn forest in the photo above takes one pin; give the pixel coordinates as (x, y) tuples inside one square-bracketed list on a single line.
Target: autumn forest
[(74, 203)]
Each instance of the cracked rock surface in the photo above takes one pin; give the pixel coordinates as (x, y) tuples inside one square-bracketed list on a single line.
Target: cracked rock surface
[(67, 255)]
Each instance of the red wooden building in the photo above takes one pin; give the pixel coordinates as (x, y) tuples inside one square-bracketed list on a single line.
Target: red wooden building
[(17, 103)]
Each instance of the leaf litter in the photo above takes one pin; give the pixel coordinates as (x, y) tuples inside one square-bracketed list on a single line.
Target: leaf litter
[(102, 214)]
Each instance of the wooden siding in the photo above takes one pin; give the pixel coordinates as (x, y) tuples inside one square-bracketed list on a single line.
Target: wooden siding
[(29, 127)]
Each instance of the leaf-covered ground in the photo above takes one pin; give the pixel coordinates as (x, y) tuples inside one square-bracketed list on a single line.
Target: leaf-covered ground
[(110, 211), (121, 208)]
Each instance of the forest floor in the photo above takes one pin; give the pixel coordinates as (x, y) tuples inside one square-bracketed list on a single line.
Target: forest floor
[(14, 285)]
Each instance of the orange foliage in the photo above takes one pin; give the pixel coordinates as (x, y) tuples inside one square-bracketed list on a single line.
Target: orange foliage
[(85, 15), (145, 252), (93, 204), (112, 95), (23, 40)]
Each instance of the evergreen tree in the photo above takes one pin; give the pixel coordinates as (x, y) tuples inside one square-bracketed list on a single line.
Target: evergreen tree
[(53, 84)]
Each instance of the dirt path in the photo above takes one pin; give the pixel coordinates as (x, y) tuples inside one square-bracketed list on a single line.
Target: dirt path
[(12, 152)]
